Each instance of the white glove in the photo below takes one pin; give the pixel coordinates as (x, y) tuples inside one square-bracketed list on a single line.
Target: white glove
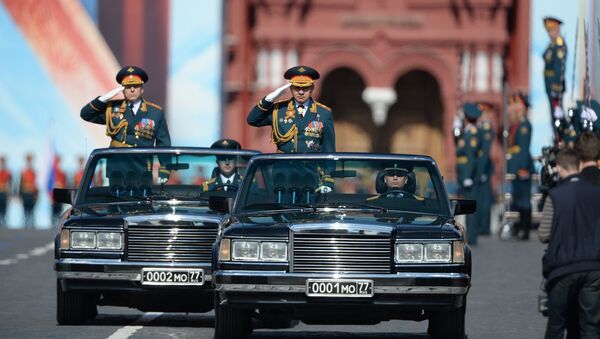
[(162, 180), (323, 189), (104, 98), (468, 182), (589, 114), (559, 113), (276, 93), (457, 124)]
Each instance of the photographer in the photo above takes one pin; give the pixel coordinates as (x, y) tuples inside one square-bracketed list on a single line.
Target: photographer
[(571, 225)]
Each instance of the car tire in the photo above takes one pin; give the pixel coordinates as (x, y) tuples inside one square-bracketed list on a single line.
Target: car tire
[(231, 323), (74, 308), (448, 324)]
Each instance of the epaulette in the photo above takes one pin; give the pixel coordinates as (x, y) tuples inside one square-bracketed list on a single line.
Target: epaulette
[(153, 105), (325, 107), (210, 181), (282, 101), (419, 198), (373, 197), (560, 41)]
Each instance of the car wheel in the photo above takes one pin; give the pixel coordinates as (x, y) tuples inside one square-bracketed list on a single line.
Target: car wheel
[(231, 323), (74, 308), (448, 324)]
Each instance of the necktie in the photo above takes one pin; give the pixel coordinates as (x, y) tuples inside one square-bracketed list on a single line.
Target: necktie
[(302, 109), (131, 108)]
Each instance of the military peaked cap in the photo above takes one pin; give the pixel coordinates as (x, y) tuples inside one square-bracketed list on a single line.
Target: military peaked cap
[(519, 97), (226, 144), (471, 110), (132, 75), (301, 76), (551, 22)]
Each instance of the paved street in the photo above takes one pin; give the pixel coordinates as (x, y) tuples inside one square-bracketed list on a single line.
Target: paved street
[(501, 304)]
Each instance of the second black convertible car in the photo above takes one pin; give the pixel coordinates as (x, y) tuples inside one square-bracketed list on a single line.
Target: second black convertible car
[(342, 239), (141, 229)]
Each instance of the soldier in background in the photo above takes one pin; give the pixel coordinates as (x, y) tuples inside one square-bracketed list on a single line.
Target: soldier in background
[(554, 72), (468, 145), (60, 181), (78, 176), (485, 168), (28, 190), (520, 163), (5, 186)]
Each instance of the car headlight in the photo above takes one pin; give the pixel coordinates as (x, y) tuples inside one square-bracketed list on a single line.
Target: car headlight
[(109, 240), (432, 252), (438, 252), (409, 253), (83, 240), (273, 251), (245, 250)]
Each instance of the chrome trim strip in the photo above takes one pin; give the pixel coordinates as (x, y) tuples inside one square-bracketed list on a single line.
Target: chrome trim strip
[(376, 289), (283, 274), (100, 276)]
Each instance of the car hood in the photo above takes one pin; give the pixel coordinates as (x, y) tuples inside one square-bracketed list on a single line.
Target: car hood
[(404, 225), (135, 213)]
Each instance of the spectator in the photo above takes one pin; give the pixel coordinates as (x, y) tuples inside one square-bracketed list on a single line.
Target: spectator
[(571, 225)]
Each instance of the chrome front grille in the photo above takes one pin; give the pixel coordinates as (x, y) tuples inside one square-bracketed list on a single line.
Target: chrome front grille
[(166, 243), (348, 253)]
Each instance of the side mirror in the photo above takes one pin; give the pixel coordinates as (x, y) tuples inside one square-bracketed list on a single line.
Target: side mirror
[(464, 206), (64, 195), (220, 204)]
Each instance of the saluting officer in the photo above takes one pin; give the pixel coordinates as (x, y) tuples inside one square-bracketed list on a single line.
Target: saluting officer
[(133, 121), (225, 176), (520, 163), (299, 124), (554, 71), (468, 146), (485, 168)]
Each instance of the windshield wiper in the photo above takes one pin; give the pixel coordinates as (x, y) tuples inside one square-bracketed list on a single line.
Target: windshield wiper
[(362, 206), (273, 207)]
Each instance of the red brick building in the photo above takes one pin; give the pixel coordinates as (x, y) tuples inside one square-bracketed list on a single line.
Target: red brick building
[(393, 71)]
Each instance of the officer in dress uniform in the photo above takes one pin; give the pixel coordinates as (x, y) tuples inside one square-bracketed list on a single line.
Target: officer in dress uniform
[(5, 186), (554, 72), (28, 190), (225, 176), (299, 124), (468, 146), (485, 168), (520, 163), (60, 181), (130, 122)]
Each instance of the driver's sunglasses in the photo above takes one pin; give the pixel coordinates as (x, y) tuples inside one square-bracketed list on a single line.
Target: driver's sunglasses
[(227, 159)]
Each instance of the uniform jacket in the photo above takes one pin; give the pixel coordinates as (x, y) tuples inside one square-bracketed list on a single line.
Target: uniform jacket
[(28, 182), (216, 183), (468, 146), (147, 128), (293, 133), (485, 167), (554, 69), (519, 139)]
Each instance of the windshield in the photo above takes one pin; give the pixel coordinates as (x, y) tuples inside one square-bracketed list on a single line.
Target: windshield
[(366, 184), (152, 177)]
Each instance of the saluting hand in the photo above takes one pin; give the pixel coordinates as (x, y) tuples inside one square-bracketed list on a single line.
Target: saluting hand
[(104, 98), (276, 93)]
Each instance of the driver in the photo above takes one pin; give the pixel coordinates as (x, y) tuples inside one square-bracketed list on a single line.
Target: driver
[(393, 182), (225, 176)]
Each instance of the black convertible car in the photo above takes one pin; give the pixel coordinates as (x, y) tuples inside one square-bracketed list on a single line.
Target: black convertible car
[(141, 229), (342, 238)]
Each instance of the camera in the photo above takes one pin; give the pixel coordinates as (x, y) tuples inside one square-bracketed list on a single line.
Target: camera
[(548, 173)]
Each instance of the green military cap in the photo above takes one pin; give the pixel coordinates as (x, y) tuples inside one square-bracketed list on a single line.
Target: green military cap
[(301, 76), (132, 75), (226, 144), (471, 110), (395, 169)]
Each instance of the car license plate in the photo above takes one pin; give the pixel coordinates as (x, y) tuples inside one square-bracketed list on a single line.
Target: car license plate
[(339, 288), (172, 276)]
